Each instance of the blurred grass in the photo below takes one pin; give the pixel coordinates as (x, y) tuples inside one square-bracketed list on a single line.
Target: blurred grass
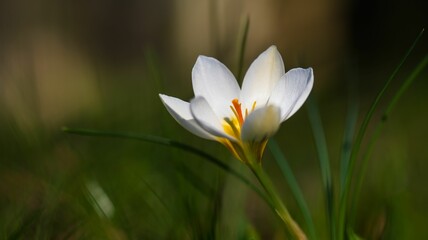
[(343, 221), (101, 65), (324, 160)]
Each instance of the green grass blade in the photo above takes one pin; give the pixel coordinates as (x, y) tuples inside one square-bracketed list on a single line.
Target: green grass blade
[(359, 139), (321, 145), (350, 125), (241, 46), (194, 180), (294, 186), (171, 143), (360, 178), (157, 196), (421, 66)]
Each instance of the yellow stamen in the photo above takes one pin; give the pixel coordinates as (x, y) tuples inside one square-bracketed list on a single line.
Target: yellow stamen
[(235, 130), (254, 106), (232, 126)]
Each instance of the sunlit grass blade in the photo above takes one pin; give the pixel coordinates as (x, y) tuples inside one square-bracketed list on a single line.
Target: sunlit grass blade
[(99, 200), (294, 187), (171, 143), (361, 174), (358, 141), (353, 236), (321, 145), (241, 46)]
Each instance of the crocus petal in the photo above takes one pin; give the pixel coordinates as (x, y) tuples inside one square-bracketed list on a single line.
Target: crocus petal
[(292, 91), (262, 77), (261, 123), (206, 118), (180, 111), (213, 81)]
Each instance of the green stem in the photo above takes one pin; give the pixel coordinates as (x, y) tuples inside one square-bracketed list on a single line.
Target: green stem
[(294, 187), (276, 202)]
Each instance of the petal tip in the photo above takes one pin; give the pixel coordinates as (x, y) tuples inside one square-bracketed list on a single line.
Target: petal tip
[(311, 71), (202, 59), (164, 97), (273, 48)]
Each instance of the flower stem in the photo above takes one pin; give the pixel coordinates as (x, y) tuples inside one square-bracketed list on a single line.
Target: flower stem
[(276, 203)]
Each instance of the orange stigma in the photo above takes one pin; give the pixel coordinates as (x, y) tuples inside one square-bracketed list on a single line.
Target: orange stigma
[(236, 108)]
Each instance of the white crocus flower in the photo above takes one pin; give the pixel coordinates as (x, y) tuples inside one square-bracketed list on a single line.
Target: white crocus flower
[(241, 119)]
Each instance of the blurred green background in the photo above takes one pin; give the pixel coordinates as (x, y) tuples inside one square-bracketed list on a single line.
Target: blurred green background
[(101, 64)]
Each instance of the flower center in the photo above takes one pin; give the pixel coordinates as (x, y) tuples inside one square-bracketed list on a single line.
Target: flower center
[(233, 125)]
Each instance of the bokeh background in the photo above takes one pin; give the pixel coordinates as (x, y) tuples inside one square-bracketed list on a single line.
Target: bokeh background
[(101, 64)]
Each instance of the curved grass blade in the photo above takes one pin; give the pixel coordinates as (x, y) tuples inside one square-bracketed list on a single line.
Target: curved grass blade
[(350, 125), (321, 145), (171, 143), (294, 187), (358, 141), (360, 178)]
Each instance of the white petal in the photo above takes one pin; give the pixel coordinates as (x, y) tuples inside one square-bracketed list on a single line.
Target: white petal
[(213, 81), (262, 77), (278, 93), (292, 91), (206, 118), (261, 123), (180, 111)]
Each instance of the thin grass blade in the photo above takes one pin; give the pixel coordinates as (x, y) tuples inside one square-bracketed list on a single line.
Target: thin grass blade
[(157, 196), (321, 145), (359, 139), (350, 125), (170, 143), (360, 177)]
